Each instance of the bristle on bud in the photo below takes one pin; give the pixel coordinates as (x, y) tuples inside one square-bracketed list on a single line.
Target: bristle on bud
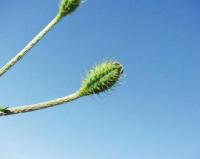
[(101, 78)]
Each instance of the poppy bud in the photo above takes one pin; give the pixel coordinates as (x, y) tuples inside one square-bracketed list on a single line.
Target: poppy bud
[(101, 78), (68, 6)]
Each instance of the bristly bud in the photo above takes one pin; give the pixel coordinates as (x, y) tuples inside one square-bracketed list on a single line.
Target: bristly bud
[(68, 6), (4, 110), (101, 78)]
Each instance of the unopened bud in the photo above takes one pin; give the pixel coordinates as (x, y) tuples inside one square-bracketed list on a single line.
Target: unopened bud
[(101, 78), (68, 6)]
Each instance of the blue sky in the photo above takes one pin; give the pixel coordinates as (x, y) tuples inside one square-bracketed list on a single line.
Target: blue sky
[(153, 114)]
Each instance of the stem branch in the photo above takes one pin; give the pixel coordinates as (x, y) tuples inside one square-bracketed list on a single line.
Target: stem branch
[(30, 45), (38, 106)]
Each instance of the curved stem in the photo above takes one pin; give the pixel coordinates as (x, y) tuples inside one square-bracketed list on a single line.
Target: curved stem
[(30, 45), (38, 106)]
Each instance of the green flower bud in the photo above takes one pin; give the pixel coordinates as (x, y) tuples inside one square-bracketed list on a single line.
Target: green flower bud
[(4, 110), (101, 78), (68, 6)]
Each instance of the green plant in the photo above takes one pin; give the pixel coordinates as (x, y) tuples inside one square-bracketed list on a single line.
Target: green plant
[(99, 79)]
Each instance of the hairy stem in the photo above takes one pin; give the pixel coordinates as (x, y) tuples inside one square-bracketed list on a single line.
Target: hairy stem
[(30, 45), (38, 106)]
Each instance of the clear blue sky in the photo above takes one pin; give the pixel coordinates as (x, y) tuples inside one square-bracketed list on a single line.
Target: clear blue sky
[(154, 114)]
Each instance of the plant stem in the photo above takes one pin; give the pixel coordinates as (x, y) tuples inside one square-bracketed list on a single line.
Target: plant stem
[(38, 106), (30, 45)]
